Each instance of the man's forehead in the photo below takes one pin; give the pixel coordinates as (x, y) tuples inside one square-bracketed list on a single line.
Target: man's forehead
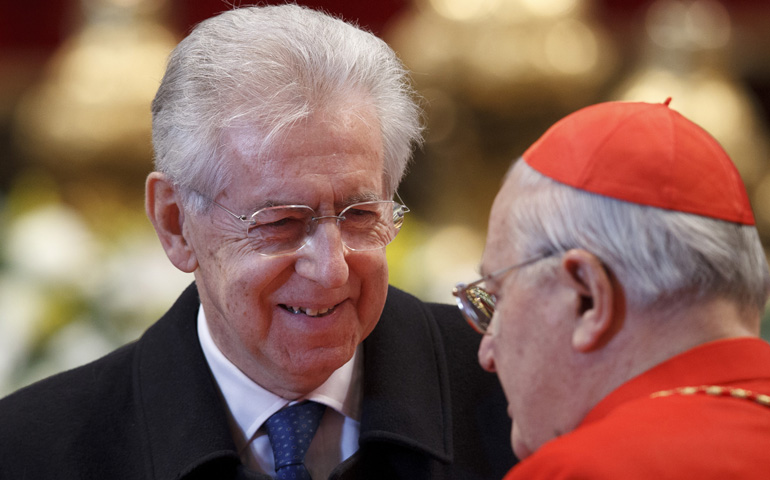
[(497, 250), (311, 136), (309, 176), (500, 217), (502, 232)]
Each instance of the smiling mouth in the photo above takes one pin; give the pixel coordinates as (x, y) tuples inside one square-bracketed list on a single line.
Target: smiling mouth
[(310, 312)]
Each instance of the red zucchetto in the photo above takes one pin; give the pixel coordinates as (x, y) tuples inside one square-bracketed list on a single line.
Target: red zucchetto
[(643, 153)]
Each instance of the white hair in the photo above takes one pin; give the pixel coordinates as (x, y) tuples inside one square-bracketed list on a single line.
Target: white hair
[(272, 67), (664, 259)]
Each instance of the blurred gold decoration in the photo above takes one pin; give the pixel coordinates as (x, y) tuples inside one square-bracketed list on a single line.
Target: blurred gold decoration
[(492, 72), (502, 54), (87, 123), (92, 108), (685, 58)]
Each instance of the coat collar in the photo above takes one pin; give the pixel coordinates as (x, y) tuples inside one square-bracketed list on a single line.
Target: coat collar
[(406, 384), (184, 416)]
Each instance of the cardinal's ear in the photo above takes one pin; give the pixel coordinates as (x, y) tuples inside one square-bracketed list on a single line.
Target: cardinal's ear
[(595, 293)]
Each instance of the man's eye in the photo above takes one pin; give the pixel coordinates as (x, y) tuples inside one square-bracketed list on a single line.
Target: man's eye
[(360, 212), (281, 222)]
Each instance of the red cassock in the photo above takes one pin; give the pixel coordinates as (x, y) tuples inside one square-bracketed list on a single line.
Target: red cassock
[(652, 428)]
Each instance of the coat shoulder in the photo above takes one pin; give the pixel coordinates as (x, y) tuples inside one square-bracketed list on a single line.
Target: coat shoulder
[(68, 415)]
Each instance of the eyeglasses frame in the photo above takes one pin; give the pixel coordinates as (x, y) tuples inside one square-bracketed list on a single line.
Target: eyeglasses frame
[(249, 220), (465, 303)]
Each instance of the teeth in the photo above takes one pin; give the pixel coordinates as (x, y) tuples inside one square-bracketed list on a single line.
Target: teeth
[(310, 312)]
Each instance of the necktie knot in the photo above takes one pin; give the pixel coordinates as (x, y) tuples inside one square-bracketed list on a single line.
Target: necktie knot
[(290, 431)]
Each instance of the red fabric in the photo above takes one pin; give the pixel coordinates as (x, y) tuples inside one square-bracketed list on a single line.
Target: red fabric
[(643, 153), (630, 436)]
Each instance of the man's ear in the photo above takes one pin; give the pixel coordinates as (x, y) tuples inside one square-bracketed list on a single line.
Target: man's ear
[(595, 310), (164, 208)]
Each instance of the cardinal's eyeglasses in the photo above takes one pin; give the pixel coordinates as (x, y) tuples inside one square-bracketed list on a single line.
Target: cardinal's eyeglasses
[(476, 303)]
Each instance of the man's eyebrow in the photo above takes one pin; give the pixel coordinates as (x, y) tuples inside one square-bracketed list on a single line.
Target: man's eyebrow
[(362, 197)]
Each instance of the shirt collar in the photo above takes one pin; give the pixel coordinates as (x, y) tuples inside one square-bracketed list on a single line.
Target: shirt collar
[(250, 405)]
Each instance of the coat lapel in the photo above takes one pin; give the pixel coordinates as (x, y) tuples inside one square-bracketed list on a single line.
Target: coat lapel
[(406, 387), (187, 428)]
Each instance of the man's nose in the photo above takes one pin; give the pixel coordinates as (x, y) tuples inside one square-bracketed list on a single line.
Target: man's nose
[(486, 359), (323, 258)]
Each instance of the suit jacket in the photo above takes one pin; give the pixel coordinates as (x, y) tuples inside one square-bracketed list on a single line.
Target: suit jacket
[(649, 428), (151, 409)]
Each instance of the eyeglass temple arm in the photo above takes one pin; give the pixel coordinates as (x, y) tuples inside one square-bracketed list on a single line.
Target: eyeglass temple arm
[(242, 218), (405, 208)]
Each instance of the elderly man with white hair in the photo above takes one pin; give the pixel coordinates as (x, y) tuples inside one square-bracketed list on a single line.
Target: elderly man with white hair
[(281, 135)]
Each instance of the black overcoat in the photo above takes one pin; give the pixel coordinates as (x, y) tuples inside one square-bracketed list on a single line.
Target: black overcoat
[(151, 409)]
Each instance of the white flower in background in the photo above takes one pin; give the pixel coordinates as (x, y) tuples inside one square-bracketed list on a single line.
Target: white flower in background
[(52, 245), (139, 281), (72, 297), (50, 259)]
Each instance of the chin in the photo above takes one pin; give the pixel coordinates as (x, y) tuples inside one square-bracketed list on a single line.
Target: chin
[(319, 361), (520, 447)]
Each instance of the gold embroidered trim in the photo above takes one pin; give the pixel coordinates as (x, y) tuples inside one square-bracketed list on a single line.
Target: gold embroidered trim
[(717, 391)]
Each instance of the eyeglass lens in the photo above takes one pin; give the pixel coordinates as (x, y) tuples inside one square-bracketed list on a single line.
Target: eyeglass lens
[(478, 305), (363, 226)]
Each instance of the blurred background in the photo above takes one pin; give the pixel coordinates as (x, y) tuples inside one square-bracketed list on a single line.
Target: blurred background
[(81, 270)]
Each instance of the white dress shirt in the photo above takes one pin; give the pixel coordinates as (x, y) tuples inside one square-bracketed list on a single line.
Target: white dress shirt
[(249, 406)]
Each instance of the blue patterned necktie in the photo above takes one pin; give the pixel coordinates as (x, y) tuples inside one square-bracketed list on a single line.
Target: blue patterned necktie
[(290, 431)]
